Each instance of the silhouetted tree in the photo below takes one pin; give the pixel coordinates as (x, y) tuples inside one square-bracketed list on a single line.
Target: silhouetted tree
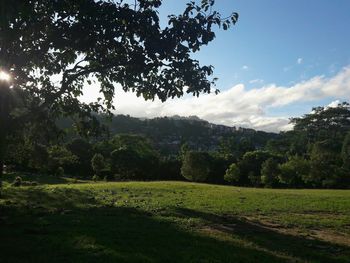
[(53, 48)]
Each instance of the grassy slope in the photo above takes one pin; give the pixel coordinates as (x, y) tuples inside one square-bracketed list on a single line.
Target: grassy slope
[(172, 222)]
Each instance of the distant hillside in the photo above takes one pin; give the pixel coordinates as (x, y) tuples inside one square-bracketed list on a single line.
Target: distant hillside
[(169, 133)]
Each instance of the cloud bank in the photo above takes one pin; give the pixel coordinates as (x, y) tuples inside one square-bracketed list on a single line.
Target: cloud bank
[(239, 106)]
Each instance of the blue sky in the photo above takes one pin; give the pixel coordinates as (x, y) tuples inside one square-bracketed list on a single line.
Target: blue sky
[(281, 59), (272, 35)]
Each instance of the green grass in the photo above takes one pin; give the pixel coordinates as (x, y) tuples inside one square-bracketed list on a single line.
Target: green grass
[(171, 222)]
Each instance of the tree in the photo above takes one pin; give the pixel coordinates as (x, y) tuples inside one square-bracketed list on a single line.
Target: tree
[(53, 48), (345, 153), (232, 174), (82, 149), (9, 99), (98, 163), (127, 164), (59, 157), (269, 172), (196, 166), (108, 41), (140, 144), (324, 123), (234, 147), (250, 167), (5, 109), (326, 163), (294, 172)]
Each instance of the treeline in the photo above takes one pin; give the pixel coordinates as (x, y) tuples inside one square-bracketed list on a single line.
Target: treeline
[(168, 134), (124, 157), (315, 154)]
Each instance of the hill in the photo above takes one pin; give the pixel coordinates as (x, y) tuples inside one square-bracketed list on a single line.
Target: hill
[(169, 133)]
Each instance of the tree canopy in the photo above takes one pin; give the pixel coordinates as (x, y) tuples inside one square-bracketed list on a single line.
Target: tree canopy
[(54, 48)]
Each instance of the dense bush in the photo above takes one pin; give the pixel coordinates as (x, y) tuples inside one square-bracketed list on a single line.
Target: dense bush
[(17, 182), (270, 172), (232, 174), (196, 166), (250, 167), (294, 172), (169, 169), (98, 163)]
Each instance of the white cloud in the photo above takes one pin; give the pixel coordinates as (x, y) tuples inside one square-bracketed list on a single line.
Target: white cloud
[(333, 104), (300, 61), (245, 67), (256, 81), (239, 106)]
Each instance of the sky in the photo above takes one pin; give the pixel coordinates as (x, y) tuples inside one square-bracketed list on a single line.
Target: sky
[(281, 59)]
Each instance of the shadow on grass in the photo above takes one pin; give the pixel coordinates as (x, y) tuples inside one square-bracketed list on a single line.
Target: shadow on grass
[(303, 248), (70, 225)]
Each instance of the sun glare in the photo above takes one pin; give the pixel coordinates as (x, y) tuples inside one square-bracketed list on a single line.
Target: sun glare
[(4, 76)]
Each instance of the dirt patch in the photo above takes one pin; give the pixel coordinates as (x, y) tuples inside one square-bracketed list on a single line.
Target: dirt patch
[(327, 235), (332, 236)]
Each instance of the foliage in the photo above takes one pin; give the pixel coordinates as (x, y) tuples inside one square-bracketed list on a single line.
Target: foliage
[(270, 172), (196, 166), (236, 145), (345, 153), (232, 174), (294, 172), (59, 171), (250, 167), (108, 41), (324, 122), (53, 49), (169, 169), (17, 182), (59, 156), (95, 178), (326, 162), (140, 144), (133, 158), (82, 149), (98, 163)]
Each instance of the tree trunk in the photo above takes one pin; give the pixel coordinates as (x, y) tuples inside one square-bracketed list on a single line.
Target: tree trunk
[(4, 122), (2, 155), (1, 172)]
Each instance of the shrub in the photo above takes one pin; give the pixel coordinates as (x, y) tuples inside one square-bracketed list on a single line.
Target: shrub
[(294, 172), (17, 182), (196, 166), (59, 172), (269, 172), (250, 167), (232, 174), (95, 178), (98, 163)]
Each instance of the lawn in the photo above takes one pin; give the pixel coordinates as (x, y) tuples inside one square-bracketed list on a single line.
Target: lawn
[(62, 220)]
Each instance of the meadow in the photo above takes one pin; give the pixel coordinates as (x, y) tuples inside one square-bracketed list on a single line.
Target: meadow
[(65, 220)]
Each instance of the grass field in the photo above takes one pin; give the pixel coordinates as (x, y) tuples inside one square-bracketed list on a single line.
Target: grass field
[(61, 220)]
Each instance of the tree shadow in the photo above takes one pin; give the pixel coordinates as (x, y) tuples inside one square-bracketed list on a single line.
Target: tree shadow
[(44, 229), (266, 238), (71, 225)]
